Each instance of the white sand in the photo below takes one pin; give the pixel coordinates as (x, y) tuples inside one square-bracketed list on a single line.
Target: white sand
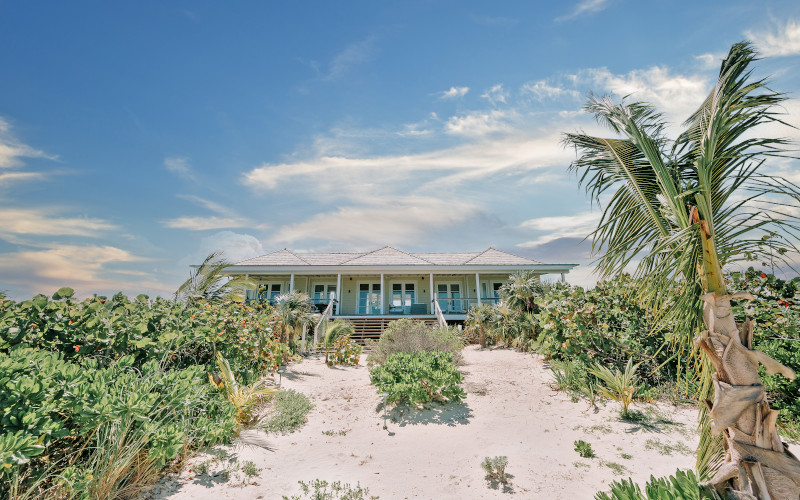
[(510, 410)]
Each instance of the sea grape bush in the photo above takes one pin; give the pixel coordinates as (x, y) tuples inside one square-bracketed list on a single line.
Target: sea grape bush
[(418, 378), (345, 352)]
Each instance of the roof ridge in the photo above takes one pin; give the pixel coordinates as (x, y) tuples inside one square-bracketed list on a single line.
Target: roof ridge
[(470, 260), (302, 259), (359, 255), (409, 254)]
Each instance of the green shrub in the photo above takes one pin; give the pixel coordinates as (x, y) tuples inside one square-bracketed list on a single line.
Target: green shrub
[(584, 449), (344, 352), (620, 386), (288, 413), (418, 378), (684, 485), (322, 490), (495, 469), (407, 335)]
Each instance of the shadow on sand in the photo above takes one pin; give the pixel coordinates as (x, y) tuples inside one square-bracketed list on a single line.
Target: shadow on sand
[(450, 414)]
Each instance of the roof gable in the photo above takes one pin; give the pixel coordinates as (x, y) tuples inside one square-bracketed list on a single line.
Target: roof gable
[(280, 258), (498, 258), (387, 256)]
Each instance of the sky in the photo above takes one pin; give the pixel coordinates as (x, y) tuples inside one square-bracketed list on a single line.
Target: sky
[(136, 137)]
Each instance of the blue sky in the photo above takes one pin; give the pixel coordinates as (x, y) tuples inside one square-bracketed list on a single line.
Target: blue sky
[(135, 137)]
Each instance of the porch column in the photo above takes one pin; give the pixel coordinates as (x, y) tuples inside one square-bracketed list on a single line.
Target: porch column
[(562, 277), (338, 294), (478, 286), (291, 283), (383, 299), (433, 297), (246, 277)]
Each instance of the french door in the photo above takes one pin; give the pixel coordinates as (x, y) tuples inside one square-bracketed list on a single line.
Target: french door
[(321, 294), (449, 296), (403, 295), (369, 298)]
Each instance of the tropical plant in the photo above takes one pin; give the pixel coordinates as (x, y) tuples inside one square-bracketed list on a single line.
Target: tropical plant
[(293, 312), (288, 412), (335, 329), (247, 399), (683, 485), (684, 209), (207, 283), (345, 352), (583, 448), (480, 321), (408, 335), (322, 490), (618, 386), (418, 378), (495, 468), (522, 291)]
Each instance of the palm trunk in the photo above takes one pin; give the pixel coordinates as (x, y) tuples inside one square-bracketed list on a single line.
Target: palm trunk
[(757, 463)]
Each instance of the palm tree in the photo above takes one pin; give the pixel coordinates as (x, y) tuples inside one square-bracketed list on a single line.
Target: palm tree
[(294, 311), (481, 320), (337, 328), (206, 282), (522, 290), (685, 209)]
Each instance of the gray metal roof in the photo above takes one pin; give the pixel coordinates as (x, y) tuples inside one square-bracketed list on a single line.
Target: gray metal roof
[(388, 256)]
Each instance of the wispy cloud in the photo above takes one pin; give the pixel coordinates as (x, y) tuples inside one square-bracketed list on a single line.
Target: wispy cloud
[(43, 221), (541, 90), (496, 95), (7, 178), (353, 55), (179, 166), (585, 7), (566, 226), (479, 123), (454, 92), (781, 39), (12, 149), (226, 218)]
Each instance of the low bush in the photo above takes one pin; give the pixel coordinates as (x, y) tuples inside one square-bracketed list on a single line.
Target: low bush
[(288, 412), (322, 490), (495, 469), (683, 485), (584, 449), (418, 378), (620, 386), (344, 352), (410, 336)]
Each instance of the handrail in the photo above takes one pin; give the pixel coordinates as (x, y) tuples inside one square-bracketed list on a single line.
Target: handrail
[(439, 314), (326, 315)]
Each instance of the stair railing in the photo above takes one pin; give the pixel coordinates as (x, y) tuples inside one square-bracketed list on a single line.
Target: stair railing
[(439, 313), (323, 322)]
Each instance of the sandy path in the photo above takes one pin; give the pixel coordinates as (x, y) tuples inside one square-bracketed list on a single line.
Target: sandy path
[(436, 454)]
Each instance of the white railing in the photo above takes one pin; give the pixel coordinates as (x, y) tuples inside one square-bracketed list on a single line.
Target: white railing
[(323, 322), (439, 314)]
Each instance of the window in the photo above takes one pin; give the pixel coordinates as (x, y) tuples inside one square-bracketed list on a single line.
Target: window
[(403, 296)]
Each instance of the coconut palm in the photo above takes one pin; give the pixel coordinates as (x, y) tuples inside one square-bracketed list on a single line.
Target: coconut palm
[(335, 329), (685, 209), (206, 282), (481, 320), (293, 311)]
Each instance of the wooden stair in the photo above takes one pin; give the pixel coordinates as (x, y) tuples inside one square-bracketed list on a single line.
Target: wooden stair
[(367, 330)]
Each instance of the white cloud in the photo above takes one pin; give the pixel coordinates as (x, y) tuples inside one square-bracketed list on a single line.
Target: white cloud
[(676, 95), (180, 167), (585, 7), (204, 223), (542, 90), (382, 221), (709, 60), (479, 123), (7, 178), (496, 95), (454, 92), (235, 246), (42, 222), (778, 40), (565, 226)]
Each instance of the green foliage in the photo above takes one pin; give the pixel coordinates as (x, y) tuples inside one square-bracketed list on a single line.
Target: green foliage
[(409, 336), (683, 485), (345, 352), (334, 330), (584, 449), (418, 378), (322, 490), (247, 399), (495, 468), (288, 412), (618, 385)]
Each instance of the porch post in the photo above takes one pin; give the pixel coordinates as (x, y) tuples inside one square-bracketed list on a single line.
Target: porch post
[(338, 294), (291, 283), (562, 277), (433, 297), (383, 299), (478, 286)]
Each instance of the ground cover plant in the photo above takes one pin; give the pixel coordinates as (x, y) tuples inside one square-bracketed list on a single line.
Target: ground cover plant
[(288, 412), (409, 336), (683, 485), (322, 490), (418, 378), (100, 395)]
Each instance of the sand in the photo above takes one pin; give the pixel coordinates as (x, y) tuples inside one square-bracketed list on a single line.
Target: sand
[(510, 410)]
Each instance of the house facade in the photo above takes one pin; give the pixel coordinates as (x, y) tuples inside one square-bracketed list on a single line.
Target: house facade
[(388, 283)]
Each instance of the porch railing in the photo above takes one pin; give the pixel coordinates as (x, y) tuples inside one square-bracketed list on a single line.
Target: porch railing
[(462, 305), (322, 324), (439, 315)]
